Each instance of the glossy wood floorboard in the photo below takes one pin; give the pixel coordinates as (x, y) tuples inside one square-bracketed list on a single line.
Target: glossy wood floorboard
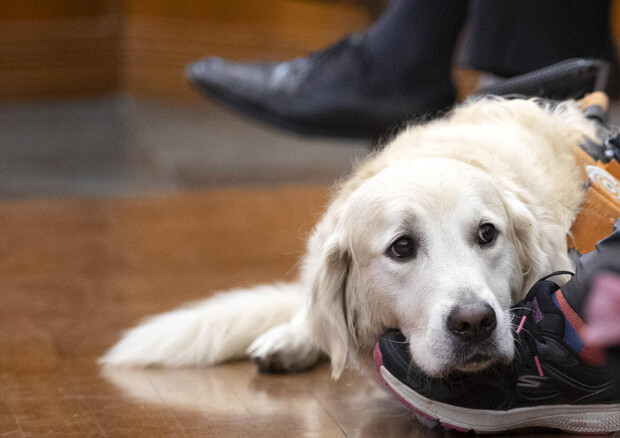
[(75, 273)]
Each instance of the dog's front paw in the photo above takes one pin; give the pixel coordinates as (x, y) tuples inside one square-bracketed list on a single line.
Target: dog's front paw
[(286, 348)]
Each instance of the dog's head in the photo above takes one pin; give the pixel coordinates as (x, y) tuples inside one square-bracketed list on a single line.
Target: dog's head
[(431, 246)]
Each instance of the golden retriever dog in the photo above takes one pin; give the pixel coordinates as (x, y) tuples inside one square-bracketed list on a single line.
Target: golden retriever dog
[(437, 234)]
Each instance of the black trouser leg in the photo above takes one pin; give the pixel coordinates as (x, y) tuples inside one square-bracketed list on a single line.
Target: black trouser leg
[(512, 37), (413, 42)]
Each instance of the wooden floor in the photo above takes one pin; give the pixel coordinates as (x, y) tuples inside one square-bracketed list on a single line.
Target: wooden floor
[(75, 273)]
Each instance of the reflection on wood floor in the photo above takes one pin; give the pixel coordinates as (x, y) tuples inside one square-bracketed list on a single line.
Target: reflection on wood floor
[(75, 273)]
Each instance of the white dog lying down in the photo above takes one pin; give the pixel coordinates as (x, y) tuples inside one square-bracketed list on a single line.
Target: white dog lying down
[(437, 234)]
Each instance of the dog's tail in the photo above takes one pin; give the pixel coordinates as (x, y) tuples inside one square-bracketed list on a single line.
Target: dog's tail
[(208, 332)]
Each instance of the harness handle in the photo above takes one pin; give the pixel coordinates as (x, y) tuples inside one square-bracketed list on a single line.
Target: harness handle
[(597, 98)]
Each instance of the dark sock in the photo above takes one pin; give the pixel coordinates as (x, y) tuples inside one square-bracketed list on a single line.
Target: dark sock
[(415, 38)]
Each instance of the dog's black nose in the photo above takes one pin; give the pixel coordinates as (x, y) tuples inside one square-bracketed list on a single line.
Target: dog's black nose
[(472, 323)]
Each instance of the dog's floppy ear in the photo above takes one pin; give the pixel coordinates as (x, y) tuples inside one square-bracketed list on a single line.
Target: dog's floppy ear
[(526, 235), (328, 312)]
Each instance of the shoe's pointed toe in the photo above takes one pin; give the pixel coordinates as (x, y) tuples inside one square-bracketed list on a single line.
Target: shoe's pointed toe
[(238, 85), (203, 69), (212, 71)]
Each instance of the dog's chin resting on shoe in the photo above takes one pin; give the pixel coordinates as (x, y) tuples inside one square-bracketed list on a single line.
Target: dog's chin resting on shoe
[(437, 234)]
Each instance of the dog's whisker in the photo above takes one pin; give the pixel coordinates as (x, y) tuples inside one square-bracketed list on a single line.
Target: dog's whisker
[(394, 341)]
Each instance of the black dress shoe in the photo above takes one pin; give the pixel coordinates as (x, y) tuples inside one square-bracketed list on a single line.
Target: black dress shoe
[(339, 91)]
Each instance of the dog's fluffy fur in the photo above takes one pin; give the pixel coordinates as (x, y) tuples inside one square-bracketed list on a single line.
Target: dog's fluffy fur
[(505, 162)]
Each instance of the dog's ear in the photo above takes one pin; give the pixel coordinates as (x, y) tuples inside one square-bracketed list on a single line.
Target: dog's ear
[(526, 236), (328, 312)]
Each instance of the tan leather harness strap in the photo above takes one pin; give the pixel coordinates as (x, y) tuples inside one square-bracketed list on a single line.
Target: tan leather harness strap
[(601, 206)]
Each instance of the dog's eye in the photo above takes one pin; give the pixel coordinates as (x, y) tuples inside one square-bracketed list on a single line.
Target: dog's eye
[(402, 249), (486, 233)]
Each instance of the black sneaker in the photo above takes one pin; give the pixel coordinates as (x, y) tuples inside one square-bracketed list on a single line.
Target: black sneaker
[(547, 385)]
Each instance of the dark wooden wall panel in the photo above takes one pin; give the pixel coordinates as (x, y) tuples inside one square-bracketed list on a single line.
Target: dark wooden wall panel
[(52, 48), (25, 10), (58, 48), (160, 40)]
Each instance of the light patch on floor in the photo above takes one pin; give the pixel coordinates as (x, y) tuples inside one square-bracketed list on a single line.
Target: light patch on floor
[(118, 146)]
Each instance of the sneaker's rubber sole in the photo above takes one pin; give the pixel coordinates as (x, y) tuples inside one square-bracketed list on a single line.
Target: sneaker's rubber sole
[(585, 419)]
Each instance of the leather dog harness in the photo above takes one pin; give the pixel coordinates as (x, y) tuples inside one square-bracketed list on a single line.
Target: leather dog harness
[(601, 170)]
